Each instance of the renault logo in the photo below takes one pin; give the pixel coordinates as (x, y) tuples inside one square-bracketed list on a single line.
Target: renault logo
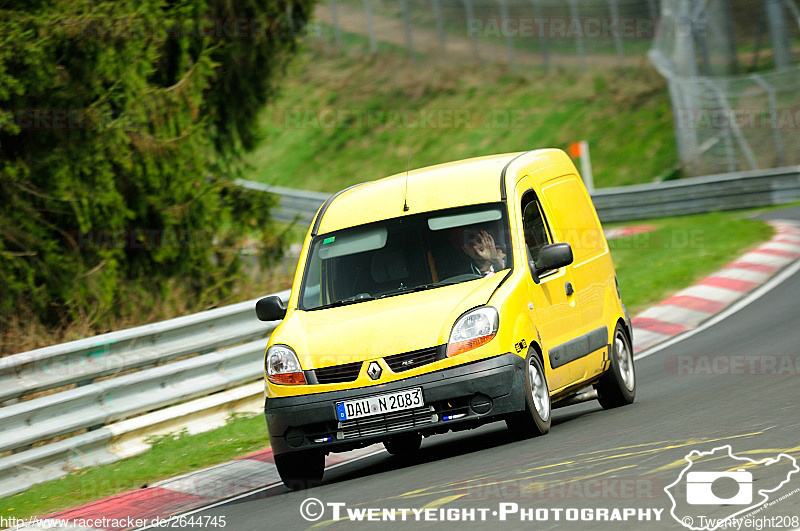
[(374, 370)]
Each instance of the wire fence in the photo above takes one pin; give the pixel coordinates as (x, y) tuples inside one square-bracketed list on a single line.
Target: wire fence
[(520, 33), (731, 65), (734, 79)]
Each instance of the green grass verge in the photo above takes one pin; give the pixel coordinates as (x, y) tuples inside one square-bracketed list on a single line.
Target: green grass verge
[(170, 456), (683, 250), (345, 118), (650, 267)]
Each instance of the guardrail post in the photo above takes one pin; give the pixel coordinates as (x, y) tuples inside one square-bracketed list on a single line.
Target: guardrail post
[(781, 49), (337, 33), (543, 41), (437, 11), (473, 39), (575, 15), (586, 166), (407, 25), (612, 4), (504, 16), (373, 42)]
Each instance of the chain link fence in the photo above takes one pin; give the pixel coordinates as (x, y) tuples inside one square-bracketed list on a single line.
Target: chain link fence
[(520, 33), (734, 79), (731, 65)]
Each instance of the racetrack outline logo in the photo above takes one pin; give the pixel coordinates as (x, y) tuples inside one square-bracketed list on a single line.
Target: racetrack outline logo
[(689, 521)]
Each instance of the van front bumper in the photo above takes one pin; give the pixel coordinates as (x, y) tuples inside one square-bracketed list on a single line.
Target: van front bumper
[(455, 398)]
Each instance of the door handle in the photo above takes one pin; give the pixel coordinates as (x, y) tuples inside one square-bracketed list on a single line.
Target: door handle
[(568, 289)]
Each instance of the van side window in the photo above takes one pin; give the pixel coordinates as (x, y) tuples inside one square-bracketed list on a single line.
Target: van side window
[(533, 225)]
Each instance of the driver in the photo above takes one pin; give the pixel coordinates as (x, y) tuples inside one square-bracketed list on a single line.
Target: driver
[(487, 258)]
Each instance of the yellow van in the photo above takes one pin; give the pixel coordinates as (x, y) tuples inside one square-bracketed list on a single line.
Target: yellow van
[(441, 299)]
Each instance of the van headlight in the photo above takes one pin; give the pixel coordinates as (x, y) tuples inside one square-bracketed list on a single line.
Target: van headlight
[(283, 367), (472, 330)]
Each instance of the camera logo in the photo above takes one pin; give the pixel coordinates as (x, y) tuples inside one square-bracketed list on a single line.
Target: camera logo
[(700, 488), (716, 487)]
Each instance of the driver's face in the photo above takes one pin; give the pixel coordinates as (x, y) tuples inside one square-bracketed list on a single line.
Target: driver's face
[(469, 249), (472, 238), (471, 244)]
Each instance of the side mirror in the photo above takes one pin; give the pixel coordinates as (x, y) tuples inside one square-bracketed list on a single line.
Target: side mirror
[(554, 256), (270, 309)]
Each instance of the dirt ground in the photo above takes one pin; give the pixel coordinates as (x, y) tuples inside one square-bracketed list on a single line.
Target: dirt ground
[(426, 40)]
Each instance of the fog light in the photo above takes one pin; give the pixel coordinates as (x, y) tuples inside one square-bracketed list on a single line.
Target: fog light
[(480, 404), (294, 437)]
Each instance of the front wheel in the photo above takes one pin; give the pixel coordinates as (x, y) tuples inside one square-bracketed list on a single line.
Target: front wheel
[(535, 419), (617, 387), (300, 470)]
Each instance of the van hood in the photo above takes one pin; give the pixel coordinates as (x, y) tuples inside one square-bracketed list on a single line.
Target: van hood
[(373, 329)]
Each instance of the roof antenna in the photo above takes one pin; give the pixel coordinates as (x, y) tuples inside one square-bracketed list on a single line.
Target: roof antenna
[(408, 168)]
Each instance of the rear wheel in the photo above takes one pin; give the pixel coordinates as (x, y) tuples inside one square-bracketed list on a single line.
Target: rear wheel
[(300, 470), (404, 444), (617, 387), (535, 419)]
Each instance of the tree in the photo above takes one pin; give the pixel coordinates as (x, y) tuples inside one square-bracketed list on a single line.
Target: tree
[(120, 132)]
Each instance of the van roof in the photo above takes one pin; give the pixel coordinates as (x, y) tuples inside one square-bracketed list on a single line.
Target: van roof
[(458, 183)]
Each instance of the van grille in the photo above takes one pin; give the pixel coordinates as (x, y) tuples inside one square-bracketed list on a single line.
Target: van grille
[(411, 360), (378, 424), (338, 373)]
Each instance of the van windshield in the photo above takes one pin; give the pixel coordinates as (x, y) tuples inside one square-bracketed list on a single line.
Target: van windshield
[(404, 255)]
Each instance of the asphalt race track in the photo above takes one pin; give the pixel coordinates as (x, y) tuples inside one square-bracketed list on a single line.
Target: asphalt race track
[(735, 383)]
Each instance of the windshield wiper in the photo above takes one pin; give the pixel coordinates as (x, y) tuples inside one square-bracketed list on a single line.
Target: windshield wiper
[(344, 302), (422, 287)]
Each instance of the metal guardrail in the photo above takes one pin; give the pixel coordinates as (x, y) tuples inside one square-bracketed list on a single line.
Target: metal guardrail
[(695, 195), (226, 346), (124, 439), (85, 360), (103, 402), (293, 205)]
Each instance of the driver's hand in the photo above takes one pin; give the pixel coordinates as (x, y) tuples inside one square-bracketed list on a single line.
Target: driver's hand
[(485, 248)]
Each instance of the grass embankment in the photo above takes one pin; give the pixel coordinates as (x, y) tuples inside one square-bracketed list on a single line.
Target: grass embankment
[(683, 250), (650, 267), (169, 457), (345, 118)]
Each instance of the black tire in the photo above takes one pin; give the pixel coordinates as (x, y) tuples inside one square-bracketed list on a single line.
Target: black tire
[(404, 444), (617, 387), (300, 470), (530, 422)]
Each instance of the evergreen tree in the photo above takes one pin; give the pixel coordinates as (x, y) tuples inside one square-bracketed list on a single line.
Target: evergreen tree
[(120, 128)]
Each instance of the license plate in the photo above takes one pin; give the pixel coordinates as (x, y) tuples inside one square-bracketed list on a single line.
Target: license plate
[(378, 404)]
